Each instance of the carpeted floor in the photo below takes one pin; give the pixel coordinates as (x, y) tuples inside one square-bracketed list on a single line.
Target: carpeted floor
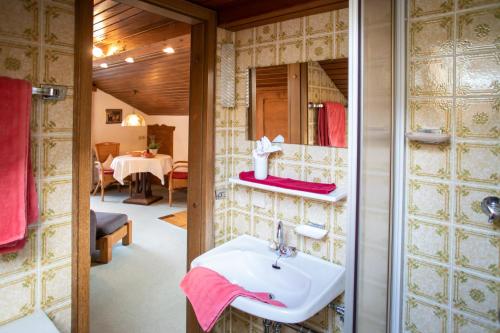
[(138, 291)]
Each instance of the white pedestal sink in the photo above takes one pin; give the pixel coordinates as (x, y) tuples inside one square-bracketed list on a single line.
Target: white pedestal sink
[(306, 284)]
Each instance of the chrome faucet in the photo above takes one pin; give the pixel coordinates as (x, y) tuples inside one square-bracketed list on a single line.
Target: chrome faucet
[(282, 250)]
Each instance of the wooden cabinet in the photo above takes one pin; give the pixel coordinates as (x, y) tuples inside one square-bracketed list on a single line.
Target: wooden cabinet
[(164, 135)]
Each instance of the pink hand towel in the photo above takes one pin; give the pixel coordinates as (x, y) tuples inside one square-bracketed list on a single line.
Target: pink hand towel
[(19, 207), (292, 184), (210, 293)]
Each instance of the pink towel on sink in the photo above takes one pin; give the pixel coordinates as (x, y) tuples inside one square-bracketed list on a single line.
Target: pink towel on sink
[(210, 293), (19, 206)]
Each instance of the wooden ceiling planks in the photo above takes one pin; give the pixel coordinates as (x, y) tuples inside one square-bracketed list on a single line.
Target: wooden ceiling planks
[(160, 80), (338, 71), (240, 14)]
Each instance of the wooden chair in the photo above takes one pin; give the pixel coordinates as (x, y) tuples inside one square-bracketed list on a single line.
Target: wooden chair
[(102, 151), (177, 179)]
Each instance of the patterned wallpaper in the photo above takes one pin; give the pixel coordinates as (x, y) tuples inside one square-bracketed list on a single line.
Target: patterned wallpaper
[(320, 88), (316, 37), (36, 43), (452, 273)]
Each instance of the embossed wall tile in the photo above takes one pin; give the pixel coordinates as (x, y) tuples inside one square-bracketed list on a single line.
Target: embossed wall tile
[(263, 228), (244, 59), (57, 116), (221, 144), (429, 199), (224, 36), (462, 324), (341, 42), (341, 20), (58, 67), (424, 317), (474, 3), (241, 83), (478, 163), (430, 160), (319, 23), (19, 61), (289, 170), (428, 240), (57, 156), (468, 206), (56, 286), (430, 113), (55, 245), (17, 298), (317, 248), (23, 24), (240, 223), (431, 77), (291, 29), (429, 7), (291, 52), (240, 164), (319, 48), (56, 199), (319, 155), (478, 30), (239, 323), (431, 36), (220, 172), (21, 261), (61, 317), (239, 117), (428, 280), (476, 295), (319, 321), (339, 251), (244, 37), (263, 203), (478, 74), (241, 145), (266, 33), (478, 251), (318, 212), (340, 219), (477, 118), (59, 26), (317, 174), (265, 55), (220, 224), (288, 208), (221, 116)]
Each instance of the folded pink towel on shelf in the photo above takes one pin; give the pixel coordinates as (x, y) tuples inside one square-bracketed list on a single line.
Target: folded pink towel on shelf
[(291, 184), (210, 293), (19, 207)]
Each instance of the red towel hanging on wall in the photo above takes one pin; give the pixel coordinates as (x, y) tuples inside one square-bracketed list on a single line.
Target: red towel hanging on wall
[(332, 125), (19, 202)]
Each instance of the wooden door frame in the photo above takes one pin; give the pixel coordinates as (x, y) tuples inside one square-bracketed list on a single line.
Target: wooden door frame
[(201, 127)]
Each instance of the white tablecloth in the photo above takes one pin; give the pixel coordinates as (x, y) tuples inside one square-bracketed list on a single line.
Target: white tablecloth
[(125, 165)]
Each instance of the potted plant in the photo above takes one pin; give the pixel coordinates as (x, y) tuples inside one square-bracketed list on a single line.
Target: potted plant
[(153, 147)]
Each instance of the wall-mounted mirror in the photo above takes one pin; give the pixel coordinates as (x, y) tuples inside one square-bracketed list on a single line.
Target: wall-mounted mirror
[(306, 103)]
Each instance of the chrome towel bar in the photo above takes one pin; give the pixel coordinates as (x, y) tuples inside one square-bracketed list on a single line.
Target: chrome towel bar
[(50, 92)]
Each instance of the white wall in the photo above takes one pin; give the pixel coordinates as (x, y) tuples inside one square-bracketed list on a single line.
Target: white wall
[(134, 138)]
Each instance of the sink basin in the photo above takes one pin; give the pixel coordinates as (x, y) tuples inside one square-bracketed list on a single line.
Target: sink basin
[(305, 284)]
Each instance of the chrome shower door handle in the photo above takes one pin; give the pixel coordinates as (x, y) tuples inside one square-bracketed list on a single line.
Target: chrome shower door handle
[(491, 207)]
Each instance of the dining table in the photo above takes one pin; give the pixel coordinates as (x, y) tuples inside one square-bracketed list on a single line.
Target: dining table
[(143, 168)]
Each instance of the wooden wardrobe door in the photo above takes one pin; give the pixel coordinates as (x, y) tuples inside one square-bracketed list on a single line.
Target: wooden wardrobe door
[(164, 135)]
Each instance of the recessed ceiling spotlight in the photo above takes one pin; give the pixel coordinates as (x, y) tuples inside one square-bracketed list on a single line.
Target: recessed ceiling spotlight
[(169, 50), (97, 52), (103, 65), (129, 60)]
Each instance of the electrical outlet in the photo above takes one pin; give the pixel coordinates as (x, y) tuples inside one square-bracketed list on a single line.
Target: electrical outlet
[(220, 194)]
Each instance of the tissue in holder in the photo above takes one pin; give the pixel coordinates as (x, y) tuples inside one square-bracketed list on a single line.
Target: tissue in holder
[(260, 155), (310, 231)]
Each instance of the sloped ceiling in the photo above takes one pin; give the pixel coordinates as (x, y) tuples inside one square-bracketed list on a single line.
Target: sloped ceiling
[(338, 71), (155, 83)]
